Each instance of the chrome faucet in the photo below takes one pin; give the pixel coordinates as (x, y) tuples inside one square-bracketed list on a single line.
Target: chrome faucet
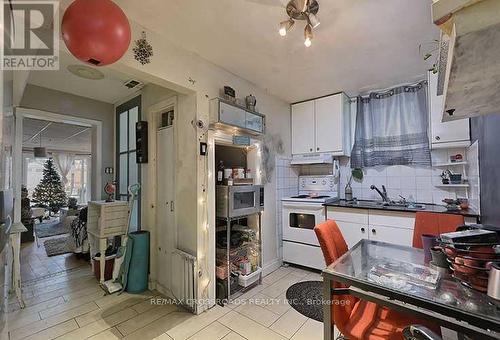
[(382, 193)]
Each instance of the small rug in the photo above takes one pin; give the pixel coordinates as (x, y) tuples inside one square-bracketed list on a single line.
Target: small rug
[(306, 298), (52, 228), (60, 245)]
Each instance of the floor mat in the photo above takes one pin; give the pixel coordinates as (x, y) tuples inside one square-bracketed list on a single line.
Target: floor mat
[(306, 298), (48, 229), (60, 245)]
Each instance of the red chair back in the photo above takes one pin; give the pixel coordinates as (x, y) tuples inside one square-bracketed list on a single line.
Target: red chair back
[(434, 224), (333, 246)]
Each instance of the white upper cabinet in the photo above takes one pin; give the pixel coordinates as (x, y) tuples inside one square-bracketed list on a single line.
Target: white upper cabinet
[(444, 134), (322, 125), (303, 128)]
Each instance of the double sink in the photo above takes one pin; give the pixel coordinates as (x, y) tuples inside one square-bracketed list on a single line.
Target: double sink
[(387, 205)]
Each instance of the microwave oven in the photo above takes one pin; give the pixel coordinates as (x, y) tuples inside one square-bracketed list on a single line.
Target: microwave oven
[(237, 201)]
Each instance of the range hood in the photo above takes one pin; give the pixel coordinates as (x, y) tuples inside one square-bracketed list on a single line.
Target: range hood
[(314, 158)]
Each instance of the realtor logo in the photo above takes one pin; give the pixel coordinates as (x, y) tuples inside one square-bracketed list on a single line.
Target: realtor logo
[(31, 35)]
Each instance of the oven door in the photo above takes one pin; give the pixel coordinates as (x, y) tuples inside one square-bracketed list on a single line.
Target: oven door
[(299, 220), (244, 200)]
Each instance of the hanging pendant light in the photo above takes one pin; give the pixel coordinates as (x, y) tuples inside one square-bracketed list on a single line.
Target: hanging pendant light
[(308, 35), (286, 26), (39, 151)]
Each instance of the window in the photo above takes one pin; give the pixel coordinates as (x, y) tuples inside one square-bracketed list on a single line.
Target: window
[(127, 170)]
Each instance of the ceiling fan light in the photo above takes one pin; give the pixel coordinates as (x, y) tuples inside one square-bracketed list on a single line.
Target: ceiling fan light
[(308, 35), (313, 20), (286, 26)]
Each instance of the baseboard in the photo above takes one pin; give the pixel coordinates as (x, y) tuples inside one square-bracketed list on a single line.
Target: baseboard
[(271, 267)]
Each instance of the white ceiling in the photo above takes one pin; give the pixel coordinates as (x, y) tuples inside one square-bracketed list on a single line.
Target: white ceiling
[(55, 137), (360, 45), (109, 90)]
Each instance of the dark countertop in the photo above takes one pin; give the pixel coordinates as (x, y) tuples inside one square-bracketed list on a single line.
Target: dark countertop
[(428, 207)]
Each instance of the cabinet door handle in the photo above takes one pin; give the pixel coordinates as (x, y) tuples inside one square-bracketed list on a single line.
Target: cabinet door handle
[(438, 138), (374, 231), (363, 230), (310, 149), (317, 149)]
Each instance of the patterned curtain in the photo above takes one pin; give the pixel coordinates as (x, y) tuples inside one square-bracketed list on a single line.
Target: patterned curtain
[(391, 128)]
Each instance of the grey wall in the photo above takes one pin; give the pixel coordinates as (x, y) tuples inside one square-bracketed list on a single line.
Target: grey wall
[(486, 129), (41, 98)]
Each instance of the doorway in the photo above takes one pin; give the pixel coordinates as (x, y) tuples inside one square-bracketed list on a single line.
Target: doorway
[(54, 161)]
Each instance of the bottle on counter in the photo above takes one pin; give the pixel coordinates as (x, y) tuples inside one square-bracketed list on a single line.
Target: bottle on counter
[(220, 172)]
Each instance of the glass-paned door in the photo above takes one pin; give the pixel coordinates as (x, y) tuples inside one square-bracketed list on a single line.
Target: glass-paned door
[(128, 171)]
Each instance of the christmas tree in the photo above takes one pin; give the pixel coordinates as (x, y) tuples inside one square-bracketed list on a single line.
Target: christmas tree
[(50, 191)]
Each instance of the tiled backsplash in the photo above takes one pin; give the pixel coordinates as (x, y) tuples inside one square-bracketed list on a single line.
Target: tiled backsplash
[(417, 182), (287, 184)]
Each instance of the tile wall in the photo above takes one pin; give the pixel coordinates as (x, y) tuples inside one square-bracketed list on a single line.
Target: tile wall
[(287, 184), (417, 182)]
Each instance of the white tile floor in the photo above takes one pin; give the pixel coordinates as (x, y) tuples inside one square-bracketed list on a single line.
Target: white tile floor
[(70, 305)]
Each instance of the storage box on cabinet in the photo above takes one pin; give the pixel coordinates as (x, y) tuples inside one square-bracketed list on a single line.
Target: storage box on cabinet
[(108, 218)]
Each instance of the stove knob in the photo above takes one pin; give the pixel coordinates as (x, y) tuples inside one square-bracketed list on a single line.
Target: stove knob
[(324, 182)]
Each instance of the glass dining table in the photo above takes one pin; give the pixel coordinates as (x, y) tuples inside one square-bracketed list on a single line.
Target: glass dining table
[(398, 277)]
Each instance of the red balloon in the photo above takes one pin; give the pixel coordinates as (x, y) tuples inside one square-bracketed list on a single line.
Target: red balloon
[(96, 31)]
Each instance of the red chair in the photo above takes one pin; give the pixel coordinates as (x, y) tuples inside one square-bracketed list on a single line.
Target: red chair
[(434, 224), (359, 319)]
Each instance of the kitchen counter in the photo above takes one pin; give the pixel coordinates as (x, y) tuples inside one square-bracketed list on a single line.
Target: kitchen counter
[(377, 206)]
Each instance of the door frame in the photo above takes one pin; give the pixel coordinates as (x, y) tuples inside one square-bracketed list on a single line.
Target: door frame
[(149, 197), (96, 160), (135, 101)]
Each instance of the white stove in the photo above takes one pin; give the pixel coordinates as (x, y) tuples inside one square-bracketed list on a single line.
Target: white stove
[(301, 213), (316, 189)]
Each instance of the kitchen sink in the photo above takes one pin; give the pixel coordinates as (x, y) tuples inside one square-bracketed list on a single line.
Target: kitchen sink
[(365, 203), (381, 205)]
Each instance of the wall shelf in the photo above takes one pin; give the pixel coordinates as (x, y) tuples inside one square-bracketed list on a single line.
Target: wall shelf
[(452, 185)]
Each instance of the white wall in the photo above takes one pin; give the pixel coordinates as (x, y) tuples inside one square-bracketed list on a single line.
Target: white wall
[(174, 67)]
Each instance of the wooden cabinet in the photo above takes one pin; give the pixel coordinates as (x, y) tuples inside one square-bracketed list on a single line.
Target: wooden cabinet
[(303, 128), (353, 232), (353, 223), (444, 134), (384, 226), (322, 125), (400, 236)]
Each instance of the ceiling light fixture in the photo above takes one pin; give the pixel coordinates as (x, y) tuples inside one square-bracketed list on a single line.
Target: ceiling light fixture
[(85, 72), (308, 35), (301, 10), (40, 151), (286, 26)]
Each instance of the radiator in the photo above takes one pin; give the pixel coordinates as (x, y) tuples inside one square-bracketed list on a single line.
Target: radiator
[(184, 278)]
